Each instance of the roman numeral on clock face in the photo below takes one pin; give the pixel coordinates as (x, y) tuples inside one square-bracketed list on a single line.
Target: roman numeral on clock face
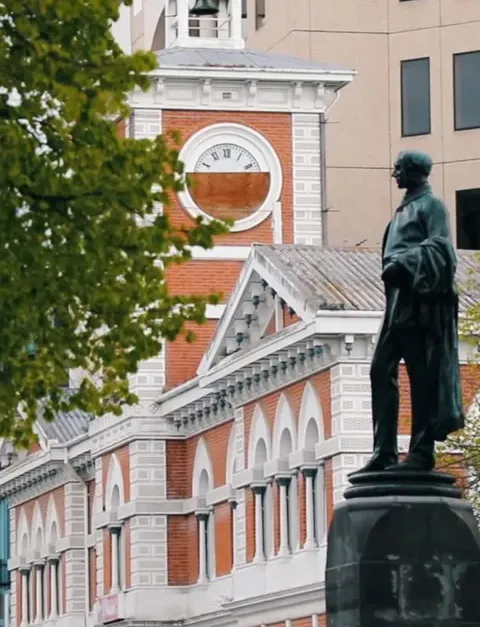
[(226, 158)]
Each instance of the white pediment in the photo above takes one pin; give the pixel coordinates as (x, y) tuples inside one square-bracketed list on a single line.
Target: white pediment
[(261, 304)]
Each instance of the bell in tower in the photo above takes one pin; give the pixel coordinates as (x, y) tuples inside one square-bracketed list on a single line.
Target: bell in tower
[(214, 24), (204, 8)]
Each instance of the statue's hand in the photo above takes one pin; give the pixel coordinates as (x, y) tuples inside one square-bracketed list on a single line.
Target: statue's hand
[(393, 274)]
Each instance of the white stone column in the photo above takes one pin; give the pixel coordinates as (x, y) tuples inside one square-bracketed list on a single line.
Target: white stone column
[(53, 563), (115, 563), (259, 524), (38, 567), (183, 18), (310, 541), (284, 548), (202, 518), (236, 20), (24, 572)]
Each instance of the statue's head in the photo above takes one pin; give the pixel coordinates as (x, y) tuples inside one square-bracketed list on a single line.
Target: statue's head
[(412, 168)]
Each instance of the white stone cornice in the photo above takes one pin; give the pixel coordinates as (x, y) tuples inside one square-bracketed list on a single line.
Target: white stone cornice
[(261, 89), (31, 466)]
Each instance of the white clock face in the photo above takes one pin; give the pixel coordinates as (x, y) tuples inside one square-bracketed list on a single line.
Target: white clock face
[(226, 158)]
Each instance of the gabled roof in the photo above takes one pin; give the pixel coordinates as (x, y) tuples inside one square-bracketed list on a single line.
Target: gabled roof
[(309, 279), (240, 59), (334, 278)]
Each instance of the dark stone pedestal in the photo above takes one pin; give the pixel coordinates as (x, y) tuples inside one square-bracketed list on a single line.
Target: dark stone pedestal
[(403, 550)]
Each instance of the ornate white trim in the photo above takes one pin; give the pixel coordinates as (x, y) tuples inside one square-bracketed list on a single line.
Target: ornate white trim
[(284, 421), (249, 140), (202, 463)]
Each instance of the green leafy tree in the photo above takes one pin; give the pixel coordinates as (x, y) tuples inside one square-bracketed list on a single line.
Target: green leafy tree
[(83, 249)]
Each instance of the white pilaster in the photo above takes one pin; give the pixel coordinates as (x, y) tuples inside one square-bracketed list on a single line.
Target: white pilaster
[(240, 510), (259, 525), (148, 534), (284, 543), (75, 558), (307, 215), (310, 542), (98, 507), (25, 597), (38, 592), (53, 567), (13, 580), (202, 547), (114, 561)]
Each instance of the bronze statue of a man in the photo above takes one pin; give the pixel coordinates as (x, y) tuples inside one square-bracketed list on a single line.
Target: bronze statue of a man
[(420, 324)]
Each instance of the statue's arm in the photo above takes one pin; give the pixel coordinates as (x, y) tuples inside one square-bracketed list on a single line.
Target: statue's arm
[(435, 218)]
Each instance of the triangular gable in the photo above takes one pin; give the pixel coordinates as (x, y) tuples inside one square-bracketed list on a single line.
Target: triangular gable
[(260, 296)]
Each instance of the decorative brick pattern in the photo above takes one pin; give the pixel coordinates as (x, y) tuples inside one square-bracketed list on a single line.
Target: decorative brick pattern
[(148, 550), (14, 599), (148, 534), (351, 399), (149, 380), (75, 581), (74, 564), (98, 508), (307, 216)]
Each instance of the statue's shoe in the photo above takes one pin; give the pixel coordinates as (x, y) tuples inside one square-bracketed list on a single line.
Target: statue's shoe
[(414, 464), (376, 464)]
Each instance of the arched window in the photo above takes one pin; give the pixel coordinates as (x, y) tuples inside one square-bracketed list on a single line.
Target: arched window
[(202, 483)]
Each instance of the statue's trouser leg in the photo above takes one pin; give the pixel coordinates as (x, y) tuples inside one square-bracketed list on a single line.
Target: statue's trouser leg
[(416, 355), (384, 380)]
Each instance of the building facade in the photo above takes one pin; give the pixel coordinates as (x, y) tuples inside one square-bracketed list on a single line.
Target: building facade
[(418, 86), (211, 505), (208, 502)]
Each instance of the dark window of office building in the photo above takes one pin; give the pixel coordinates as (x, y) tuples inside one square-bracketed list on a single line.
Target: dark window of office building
[(415, 84), (466, 73), (468, 219)]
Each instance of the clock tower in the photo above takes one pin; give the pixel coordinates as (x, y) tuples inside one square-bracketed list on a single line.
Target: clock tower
[(252, 128)]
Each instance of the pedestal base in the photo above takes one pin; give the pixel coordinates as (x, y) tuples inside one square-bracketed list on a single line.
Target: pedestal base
[(403, 550)]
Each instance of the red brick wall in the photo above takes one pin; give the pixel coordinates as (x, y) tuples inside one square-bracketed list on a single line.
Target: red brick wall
[(183, 358), (181, 458), (470, 378), (223, 539), (182, 550), (107, 561), (92, 583), (250, 524), (277, 129)]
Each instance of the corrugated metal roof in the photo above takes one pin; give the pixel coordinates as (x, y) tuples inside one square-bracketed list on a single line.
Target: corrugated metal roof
[(208, 58), (66, 427), (330, 278)]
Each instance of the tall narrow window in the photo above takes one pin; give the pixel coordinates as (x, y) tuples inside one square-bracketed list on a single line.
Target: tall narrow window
[(468, 219), (466, 77), (415, 86), (260, 13)]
